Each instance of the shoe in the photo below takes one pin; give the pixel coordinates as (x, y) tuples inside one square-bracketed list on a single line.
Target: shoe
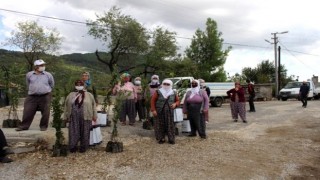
[(192, 135), (73, 150), (8, 151), (21, 129), (161, 141), (123, 123), (172, 142), (43, 129), (203, 137), (244, 121), (5, 160), (236, 120), (82, 150)]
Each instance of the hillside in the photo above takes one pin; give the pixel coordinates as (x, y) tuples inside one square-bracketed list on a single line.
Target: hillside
[(65, 68)]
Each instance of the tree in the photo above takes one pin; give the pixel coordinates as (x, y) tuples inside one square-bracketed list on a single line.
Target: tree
[(265, 73), (122, 35), (163, 48), (206, 51), (34, 41)]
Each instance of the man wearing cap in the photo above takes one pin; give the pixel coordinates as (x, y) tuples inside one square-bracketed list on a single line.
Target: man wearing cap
[(40, 84)]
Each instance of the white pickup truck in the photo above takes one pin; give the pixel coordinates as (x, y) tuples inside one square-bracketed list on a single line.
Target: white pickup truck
[(218, 90), (292, 89)]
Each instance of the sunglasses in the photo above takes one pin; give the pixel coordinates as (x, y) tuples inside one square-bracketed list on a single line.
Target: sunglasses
[(166, 84)]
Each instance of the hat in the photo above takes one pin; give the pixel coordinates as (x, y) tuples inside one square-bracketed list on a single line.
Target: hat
[(39, 62)]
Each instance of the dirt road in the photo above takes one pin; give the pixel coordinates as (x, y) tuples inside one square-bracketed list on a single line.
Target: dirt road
[(280, 141)]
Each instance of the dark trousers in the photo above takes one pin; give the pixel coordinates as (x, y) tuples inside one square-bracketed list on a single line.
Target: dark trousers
[(197, 121), (3, 143), (140, 109), (31, 105), (128, 108), (251, 104), (304, 100)]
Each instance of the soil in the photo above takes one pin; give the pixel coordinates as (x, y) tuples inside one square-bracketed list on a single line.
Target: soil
[(280, 141)]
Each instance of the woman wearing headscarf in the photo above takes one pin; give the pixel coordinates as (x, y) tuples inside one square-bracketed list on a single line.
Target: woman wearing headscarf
[(128, 104), (86, 78), (140, 108), (163, 102), (154, 84), (238, 103), (80, 111), (196, 104)]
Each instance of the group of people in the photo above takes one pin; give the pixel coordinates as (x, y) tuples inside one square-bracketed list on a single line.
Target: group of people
[(80, 105), (237, 103)]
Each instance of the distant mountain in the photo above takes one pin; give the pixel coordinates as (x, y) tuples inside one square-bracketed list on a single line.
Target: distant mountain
[(65, 68), (88, 60)]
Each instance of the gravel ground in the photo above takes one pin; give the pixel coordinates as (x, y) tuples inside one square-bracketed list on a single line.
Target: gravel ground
[(280, 141)]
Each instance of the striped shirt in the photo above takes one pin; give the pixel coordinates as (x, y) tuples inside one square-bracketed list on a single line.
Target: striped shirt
[(39, 84)]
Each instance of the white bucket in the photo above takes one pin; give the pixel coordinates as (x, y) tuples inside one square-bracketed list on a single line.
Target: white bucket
[(185, 126), (102, 118)]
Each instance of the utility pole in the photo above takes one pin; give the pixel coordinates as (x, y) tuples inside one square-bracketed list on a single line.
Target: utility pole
[(279, 67), (275, 42)]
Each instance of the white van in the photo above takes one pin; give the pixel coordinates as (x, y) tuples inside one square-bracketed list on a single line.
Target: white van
[(292, 89), (218, 89)]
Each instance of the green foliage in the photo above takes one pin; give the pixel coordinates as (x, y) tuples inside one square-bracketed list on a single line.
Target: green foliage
[(146, 96), (265, 73), (122, 35), (57, 111), (206, 51), (9, 77), (116, 114), (34, 40), (64, 72)]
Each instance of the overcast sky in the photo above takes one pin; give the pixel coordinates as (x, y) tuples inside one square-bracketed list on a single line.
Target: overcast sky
[(245, 25)]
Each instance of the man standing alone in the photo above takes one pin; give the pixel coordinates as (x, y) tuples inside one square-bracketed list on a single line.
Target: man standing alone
[(252, 94), (304, 91), (40, 84)]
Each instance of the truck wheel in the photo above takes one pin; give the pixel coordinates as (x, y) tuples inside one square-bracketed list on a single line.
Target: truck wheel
[(284, 99), (217, 102)]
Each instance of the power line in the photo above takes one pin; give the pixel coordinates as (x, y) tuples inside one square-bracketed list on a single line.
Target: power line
[(48, 17), (290, 52), (178, 37)]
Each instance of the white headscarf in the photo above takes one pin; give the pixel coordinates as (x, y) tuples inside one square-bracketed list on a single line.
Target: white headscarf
[(166, 91), (195, 90), (154, 79)]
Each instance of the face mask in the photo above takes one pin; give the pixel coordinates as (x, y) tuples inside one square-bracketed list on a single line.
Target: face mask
[(202, 84), (155, 80), (137, 82), (42, 68), (79, 88), (166, 88), (193, 85)]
